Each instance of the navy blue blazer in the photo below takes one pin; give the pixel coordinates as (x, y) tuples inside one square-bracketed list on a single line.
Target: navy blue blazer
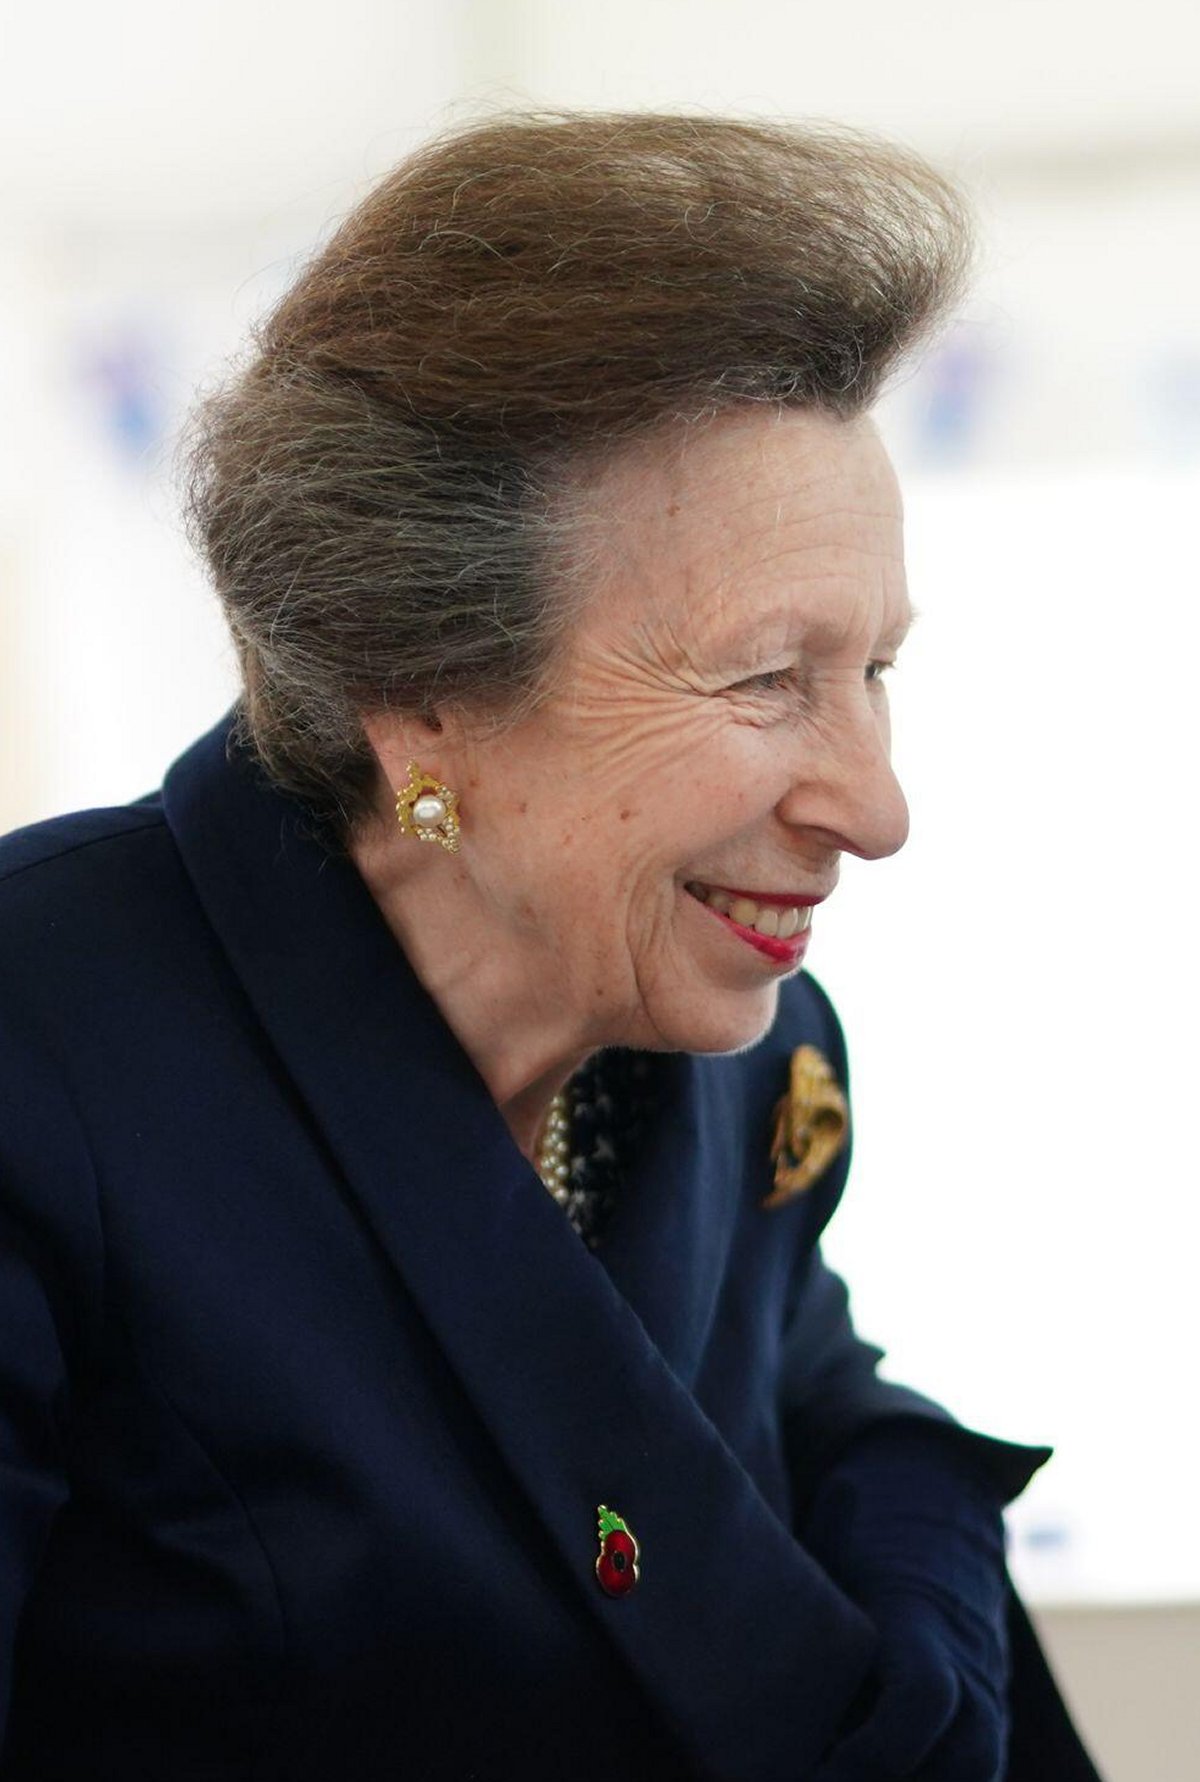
[(309, 1392)]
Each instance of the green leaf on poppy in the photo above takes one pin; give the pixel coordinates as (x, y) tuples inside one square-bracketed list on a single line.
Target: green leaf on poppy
[(610, 1521)]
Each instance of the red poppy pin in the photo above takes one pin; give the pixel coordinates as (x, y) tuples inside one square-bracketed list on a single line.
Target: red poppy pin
[(617, 1561)]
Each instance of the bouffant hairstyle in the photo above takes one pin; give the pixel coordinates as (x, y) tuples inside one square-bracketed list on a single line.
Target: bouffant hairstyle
[(382, 492)]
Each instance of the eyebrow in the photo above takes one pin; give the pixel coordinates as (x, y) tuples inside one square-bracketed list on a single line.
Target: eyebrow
[(898, 633), (831, 634)]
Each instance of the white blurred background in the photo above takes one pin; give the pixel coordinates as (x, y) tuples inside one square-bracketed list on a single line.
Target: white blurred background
[(1019, 985)]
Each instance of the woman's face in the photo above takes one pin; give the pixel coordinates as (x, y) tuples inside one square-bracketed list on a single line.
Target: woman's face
[(718, 737)]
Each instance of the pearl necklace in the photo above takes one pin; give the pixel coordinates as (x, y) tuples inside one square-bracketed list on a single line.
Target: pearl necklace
[(554, 1149)]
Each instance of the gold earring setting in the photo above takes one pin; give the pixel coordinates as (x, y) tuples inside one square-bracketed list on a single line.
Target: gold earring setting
[(427, 809)]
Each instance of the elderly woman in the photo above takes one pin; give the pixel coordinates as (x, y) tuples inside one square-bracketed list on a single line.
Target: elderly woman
[(416, 1354)]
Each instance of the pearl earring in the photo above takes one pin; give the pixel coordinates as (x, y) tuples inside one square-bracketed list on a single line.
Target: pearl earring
[(427, 809)]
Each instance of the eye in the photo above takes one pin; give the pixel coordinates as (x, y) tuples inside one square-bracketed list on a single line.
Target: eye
[(772, 680), (789, 678)]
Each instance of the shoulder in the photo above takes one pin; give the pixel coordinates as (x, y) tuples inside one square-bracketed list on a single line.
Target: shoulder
[(65, 866), (74, 892), (62, 848), (95, 907)]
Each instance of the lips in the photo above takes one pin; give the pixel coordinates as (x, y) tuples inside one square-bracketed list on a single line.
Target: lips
[(773, 923), (776, 914)]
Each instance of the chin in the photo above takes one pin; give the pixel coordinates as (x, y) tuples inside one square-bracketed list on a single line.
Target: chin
[(723, 1024)]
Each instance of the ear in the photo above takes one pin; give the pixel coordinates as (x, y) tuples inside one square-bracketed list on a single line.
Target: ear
[(398, 738)]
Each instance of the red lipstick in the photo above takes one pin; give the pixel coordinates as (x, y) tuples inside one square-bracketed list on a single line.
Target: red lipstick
[(784, 952)]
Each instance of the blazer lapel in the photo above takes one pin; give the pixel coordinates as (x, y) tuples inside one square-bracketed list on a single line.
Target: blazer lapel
[(666, 1248), (578, 1368)]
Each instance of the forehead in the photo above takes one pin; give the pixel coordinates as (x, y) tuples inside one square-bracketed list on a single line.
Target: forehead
[(791, 521)]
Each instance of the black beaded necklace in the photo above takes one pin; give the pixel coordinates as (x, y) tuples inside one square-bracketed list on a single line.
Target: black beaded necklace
[(610, 1101)]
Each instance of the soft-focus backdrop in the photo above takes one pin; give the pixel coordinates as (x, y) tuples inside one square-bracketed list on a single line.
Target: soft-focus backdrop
[(1019, 984)]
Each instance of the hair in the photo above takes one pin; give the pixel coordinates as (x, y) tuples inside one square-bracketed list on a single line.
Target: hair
[(382, 491)]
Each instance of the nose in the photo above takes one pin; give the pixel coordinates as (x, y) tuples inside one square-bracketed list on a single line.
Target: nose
[(845, 793)]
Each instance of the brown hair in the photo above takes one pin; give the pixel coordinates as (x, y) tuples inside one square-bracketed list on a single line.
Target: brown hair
[(382, 492)]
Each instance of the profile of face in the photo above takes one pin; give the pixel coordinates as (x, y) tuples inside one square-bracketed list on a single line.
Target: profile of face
[(641, 855)]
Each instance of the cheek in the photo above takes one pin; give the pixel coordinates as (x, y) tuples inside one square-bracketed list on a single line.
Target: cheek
[(634, 804), (605, 880)]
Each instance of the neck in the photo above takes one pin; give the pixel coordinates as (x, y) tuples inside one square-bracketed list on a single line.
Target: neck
[(503, 1008), (525, 1114)]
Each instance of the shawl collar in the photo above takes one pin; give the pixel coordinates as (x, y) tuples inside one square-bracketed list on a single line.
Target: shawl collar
[(578, 1367)]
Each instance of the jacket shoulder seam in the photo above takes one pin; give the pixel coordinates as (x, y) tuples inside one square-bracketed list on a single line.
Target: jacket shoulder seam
[(11, 874)]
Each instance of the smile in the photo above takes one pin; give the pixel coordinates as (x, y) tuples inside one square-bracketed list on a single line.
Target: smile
[(771, 914), (776, 925)]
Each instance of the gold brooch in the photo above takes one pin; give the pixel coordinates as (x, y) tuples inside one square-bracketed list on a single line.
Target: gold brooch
[(811, 1124)]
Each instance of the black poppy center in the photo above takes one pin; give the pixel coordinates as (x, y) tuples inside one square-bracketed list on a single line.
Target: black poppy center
[(618, 1560)]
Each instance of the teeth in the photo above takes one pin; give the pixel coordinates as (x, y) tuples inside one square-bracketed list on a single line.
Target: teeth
[(770, 919)]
